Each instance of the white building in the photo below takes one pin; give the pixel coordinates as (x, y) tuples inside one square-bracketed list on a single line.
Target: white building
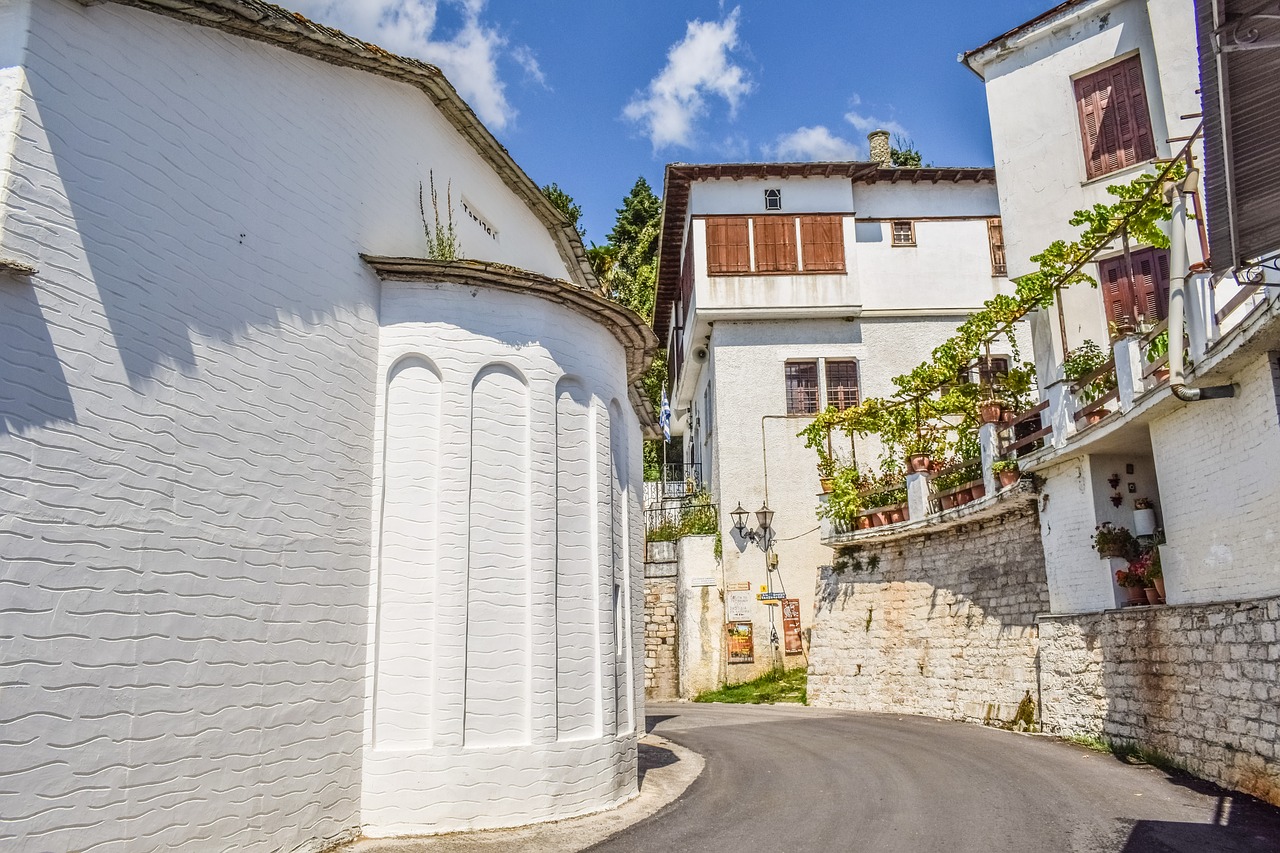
[(1194, 680), (1133, 65), (784, 288), (301, 534)]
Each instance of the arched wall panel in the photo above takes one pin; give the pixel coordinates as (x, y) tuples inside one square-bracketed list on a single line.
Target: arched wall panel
[(498, 690), (578, 685), (404, 654)]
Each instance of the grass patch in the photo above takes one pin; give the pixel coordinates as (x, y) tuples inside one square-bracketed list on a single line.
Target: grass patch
[(790, 685)]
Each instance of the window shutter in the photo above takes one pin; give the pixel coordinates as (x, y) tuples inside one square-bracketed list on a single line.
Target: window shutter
[(1117, 289), (1151, 285), (1115, 122), (727, 247), (822, 238), (775, 244), (995, 236)]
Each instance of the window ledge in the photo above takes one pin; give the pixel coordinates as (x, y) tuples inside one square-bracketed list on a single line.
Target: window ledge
[(1111, 176)]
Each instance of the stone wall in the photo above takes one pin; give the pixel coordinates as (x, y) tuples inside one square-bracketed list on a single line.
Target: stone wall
[(939, 621), (661, 661), (1197, 682)]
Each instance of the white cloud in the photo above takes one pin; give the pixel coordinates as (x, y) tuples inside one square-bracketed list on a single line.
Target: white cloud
[(867, 123), (698, 66), (469, 58), (811, 143)]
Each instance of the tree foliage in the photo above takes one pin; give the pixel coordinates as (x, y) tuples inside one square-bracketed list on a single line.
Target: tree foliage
[(903, 153), (564, 203)]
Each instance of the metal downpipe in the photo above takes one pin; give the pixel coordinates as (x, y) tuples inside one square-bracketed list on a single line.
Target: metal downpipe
[(1178, 300)]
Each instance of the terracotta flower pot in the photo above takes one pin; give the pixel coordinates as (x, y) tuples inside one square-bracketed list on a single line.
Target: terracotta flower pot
[(947, 501), (1134, 596), (1095, 416), (1008, 478), (1152, 594), (1161, 375), (978, 491), (963, 497), (895, 515), (879, 519), (827, 484), (863, 522), (918, 463), (990, 411), (1159, 582)]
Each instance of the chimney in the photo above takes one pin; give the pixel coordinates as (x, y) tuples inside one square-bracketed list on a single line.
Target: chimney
[(879, 149)]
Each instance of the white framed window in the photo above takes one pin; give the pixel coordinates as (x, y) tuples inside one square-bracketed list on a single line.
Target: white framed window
[(904, 232), (814, 384), (773, 199)]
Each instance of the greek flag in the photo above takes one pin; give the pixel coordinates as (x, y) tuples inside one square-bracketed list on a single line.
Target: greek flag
[(664, 416)]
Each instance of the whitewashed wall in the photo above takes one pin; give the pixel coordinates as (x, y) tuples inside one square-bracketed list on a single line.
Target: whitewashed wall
[(751, 385), (1035, 129), (187, 409), (505, 677), (1219, 485)]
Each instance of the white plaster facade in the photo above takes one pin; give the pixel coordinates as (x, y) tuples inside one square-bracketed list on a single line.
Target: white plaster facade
[(889, 308), (277, 536), (1210, 466)]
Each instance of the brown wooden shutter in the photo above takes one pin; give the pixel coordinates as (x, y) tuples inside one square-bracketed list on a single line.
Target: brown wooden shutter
[(775, 243), (1115, 122), (728, 251), (995, 236), (1117, 290), (1145, 297), (822, 238)]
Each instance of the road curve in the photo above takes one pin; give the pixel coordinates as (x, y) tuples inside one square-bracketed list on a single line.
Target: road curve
[(795, 779)]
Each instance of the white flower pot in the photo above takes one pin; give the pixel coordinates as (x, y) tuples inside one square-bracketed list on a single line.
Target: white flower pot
[(1144, 522)]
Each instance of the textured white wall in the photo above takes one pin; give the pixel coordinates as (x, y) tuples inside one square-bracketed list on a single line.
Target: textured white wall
[(750, 385), (1219, 484), (1035, 128), (187, 400), (517, 624)]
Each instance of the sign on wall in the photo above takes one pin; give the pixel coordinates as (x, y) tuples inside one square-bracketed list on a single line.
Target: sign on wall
[(741, 643), (738, 606), (792, 644)]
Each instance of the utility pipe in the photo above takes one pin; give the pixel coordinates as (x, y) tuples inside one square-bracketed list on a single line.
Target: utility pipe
[(1177, 194)]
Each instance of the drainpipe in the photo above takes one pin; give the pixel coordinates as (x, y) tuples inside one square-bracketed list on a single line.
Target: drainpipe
[(1176, 193)]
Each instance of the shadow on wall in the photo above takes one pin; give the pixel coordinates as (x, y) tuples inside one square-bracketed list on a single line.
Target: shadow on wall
[(1239, 824), (165, 209), (33, 386)]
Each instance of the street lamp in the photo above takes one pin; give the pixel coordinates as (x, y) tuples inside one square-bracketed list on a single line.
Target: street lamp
[(758, 535)]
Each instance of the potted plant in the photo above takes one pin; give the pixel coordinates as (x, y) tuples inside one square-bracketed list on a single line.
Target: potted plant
[(990, 411), (1155, 574), (1144, 517), (826, 472), (1158, 348), (1111, 541), (1007, 471), (1132, 581), (1081, 362)]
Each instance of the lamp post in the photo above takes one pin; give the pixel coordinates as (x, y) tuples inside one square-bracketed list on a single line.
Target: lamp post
[(759, 535)]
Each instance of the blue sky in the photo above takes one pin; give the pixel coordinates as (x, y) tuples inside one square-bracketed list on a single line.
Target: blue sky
[(591, 94)]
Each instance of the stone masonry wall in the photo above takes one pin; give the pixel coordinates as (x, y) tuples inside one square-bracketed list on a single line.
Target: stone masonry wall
[(1198, 682), (940, 622), (661, 669)]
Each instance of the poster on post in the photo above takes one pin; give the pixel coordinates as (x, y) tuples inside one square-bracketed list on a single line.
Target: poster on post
[(792, 642), (738, 606), (741, 644)]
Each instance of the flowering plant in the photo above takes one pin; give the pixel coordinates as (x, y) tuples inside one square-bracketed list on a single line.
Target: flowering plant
[(1111, 541)]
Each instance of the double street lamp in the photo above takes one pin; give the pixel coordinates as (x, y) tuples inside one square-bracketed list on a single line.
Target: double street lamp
[(758, 535)]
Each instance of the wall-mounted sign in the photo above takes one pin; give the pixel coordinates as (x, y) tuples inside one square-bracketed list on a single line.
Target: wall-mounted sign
[(738, 605), (741, 644), (703, 582), (740, 585), (772, 596), (792, 643)]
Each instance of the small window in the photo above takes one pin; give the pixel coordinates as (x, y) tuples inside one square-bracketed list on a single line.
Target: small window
[(773, 199), (904, 232), (802, 387), (842, 384)]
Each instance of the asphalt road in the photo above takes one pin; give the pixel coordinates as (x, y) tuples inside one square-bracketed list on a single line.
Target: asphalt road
[(800, 779)]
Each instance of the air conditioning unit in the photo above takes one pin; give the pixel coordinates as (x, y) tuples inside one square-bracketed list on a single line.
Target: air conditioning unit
[(700, 354)]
